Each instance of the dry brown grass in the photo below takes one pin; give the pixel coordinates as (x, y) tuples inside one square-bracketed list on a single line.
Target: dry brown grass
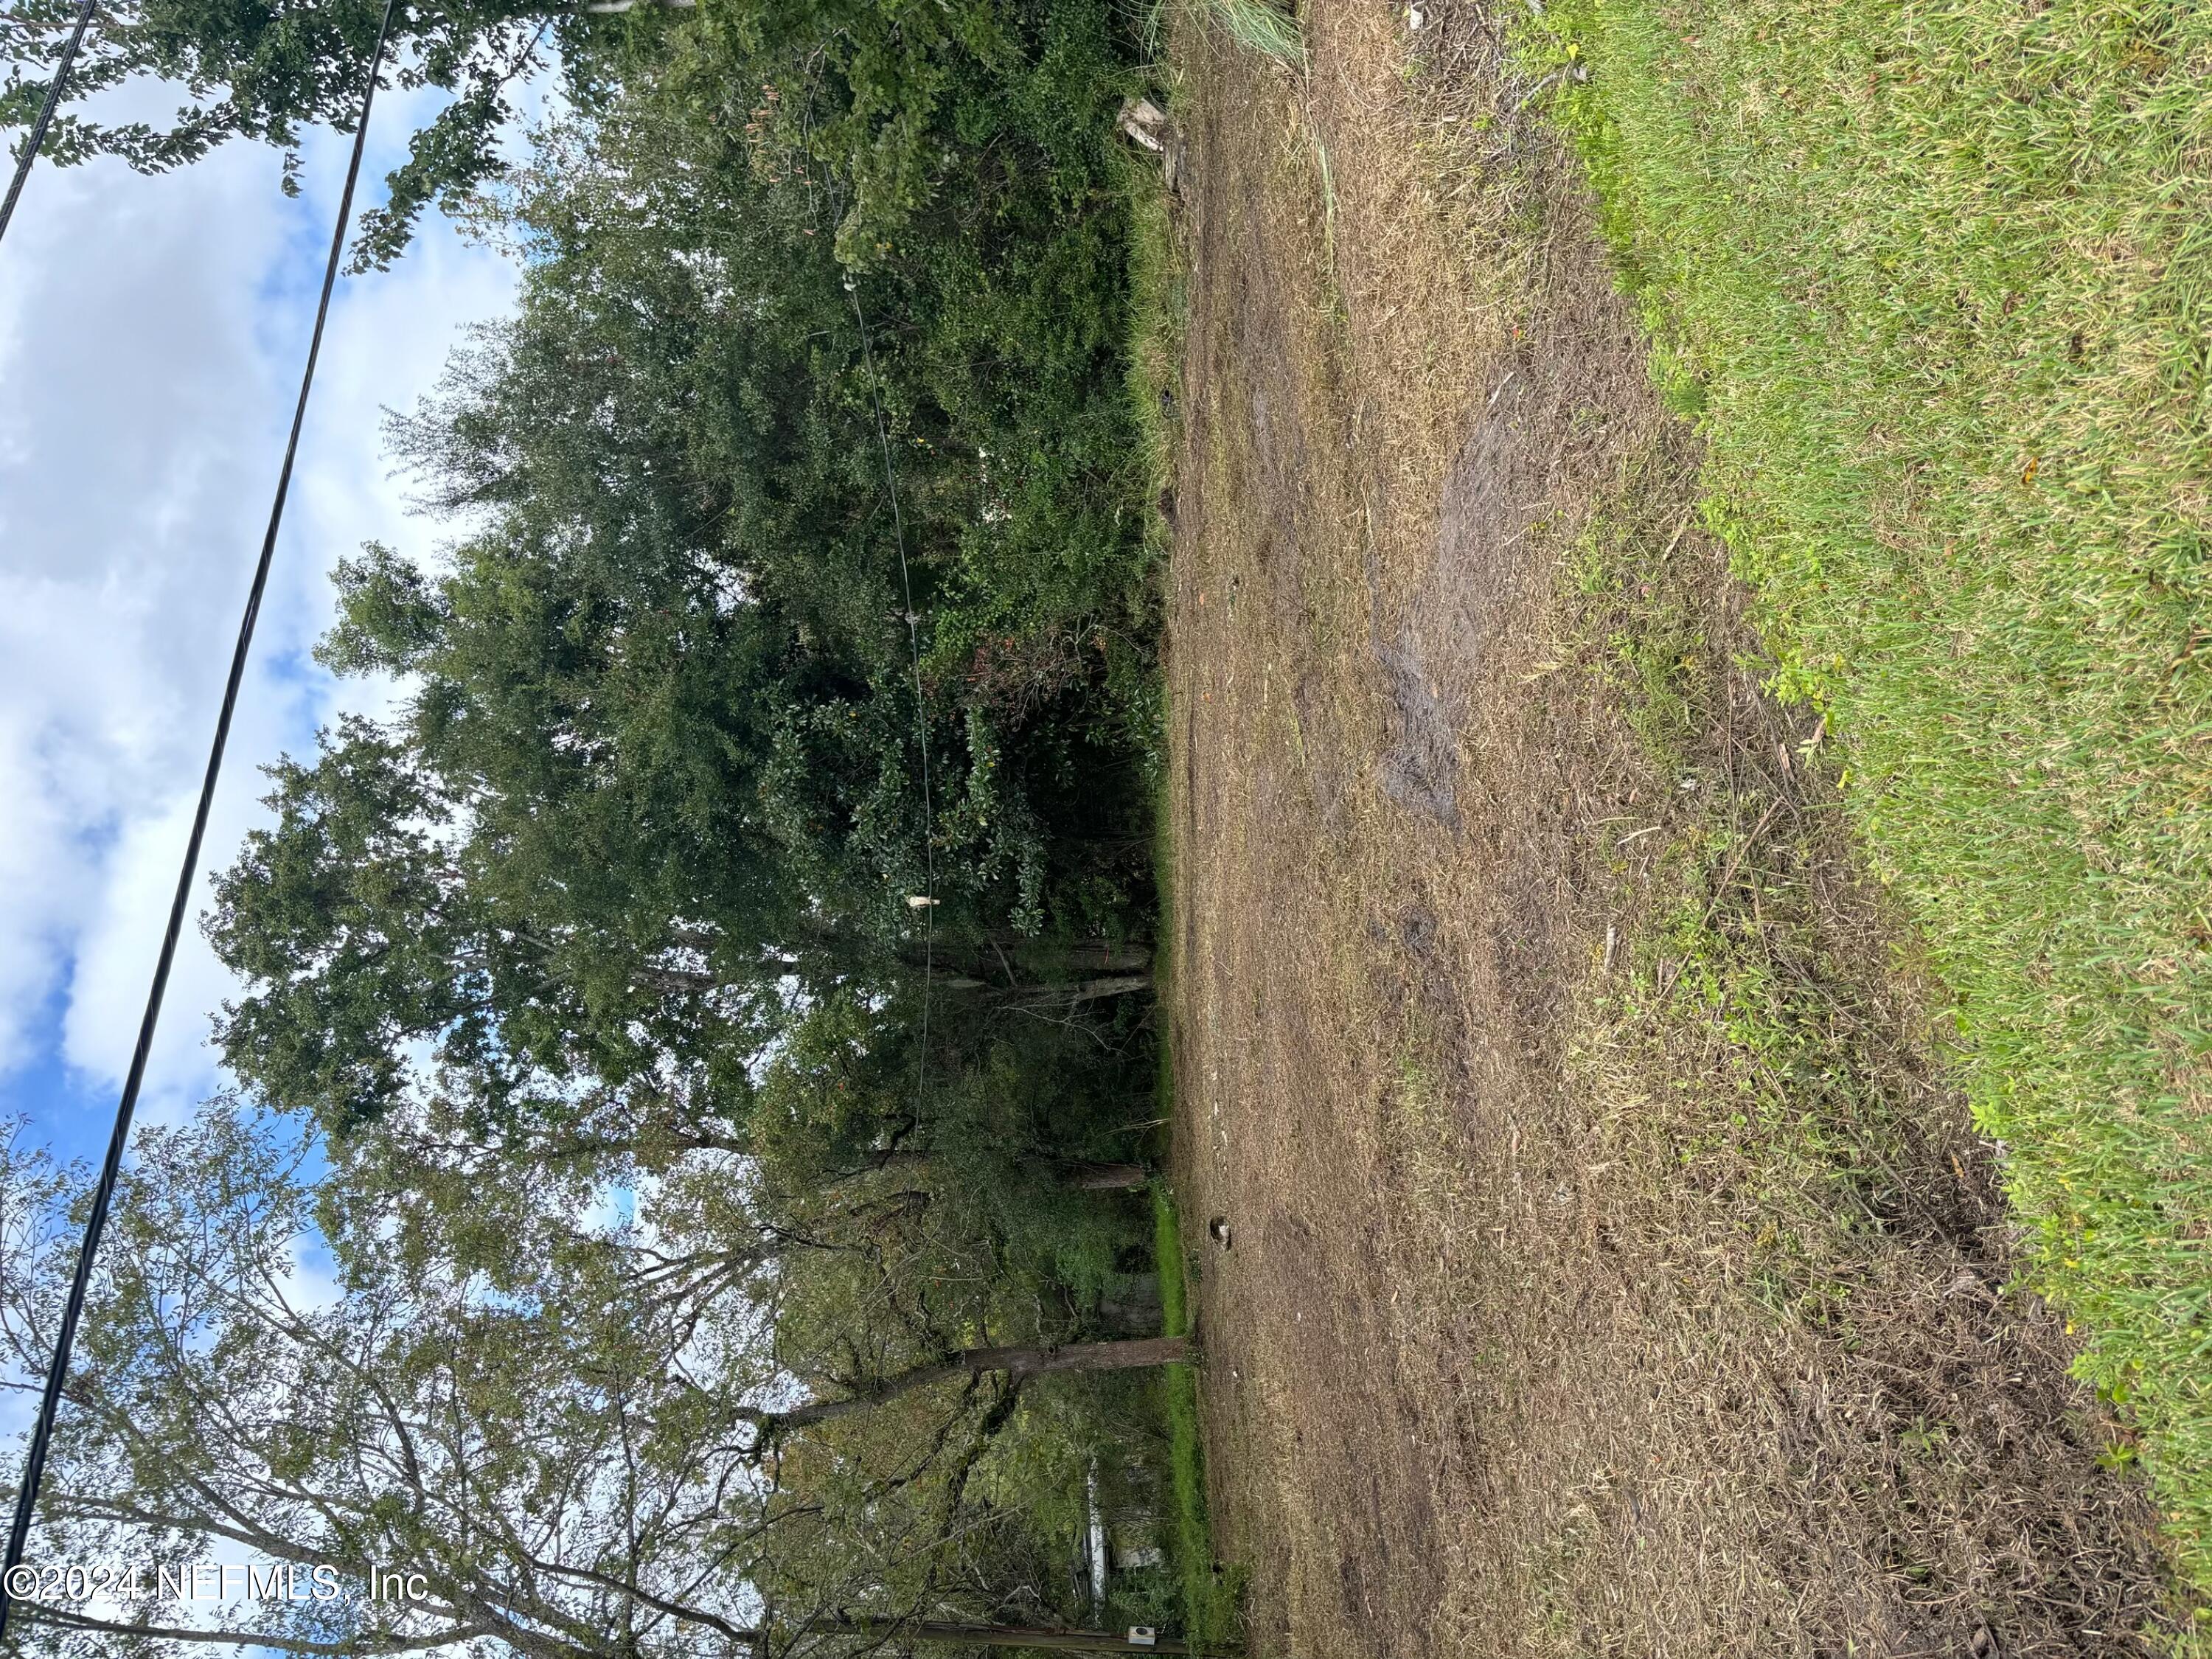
[(1614, 1272)]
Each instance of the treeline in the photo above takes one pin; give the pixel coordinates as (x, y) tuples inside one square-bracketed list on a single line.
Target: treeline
[(688, 1188)]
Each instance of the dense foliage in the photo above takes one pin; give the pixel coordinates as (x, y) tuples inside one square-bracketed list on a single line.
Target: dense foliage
[(789, 594), (887, 86)]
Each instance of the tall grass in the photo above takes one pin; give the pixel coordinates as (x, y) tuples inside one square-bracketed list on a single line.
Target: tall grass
[(1255, 25), (1258, 26), (1935, 280)]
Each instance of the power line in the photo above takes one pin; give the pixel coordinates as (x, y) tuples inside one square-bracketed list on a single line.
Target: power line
[(34, 1465), (920, 704), (914, 649), (36, 137)]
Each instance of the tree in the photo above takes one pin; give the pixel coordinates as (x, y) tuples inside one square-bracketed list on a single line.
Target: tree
[(555, 1488), (384, 912), (1016, 1363), (700, 1212), (571, 1467), (682, 422), (666, 749), (265, 73), (884, 85)]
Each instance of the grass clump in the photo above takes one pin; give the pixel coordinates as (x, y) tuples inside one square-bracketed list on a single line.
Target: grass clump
[(1256, 26), (1935, 285)]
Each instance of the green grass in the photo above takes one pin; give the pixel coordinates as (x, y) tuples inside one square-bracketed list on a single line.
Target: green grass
[(1209, 1599), (1167, 1252), (1935, 283), (1210, 1609)]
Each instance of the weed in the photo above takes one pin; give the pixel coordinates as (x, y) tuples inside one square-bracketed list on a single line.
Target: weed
[(1652, 655), (1926, 282)]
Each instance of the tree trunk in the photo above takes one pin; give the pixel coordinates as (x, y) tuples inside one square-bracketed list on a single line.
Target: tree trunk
[(1001, 957), (1018, 1636), (1109, 957), (1082, 1175), (1118, 985), (1132, 1354), (1087, 1177), (677, 982), (1078, 992), (1051, 1637)]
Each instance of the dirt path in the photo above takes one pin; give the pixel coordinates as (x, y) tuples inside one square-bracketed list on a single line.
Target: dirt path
[(1612, 1272)]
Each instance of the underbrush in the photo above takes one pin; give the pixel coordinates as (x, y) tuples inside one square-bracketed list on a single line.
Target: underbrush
[(1754, 1035), (1746, 981), (1933, 284)]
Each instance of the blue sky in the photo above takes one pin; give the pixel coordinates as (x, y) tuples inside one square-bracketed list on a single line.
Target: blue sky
[(151, 333)]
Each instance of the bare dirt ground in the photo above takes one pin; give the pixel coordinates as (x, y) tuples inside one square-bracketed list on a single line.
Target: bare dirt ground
[(1613, 1271)]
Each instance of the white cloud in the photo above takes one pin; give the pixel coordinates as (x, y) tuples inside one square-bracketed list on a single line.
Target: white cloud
[(151, 333), (310, 1282)]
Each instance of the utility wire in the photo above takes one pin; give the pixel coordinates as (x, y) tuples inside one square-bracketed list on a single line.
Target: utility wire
[(914, 647), (921, 703), (27, 1496), (38, 136)]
